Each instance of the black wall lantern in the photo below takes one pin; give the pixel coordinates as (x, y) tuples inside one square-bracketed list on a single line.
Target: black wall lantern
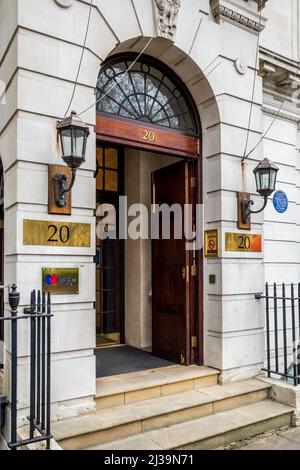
[(73, 137), (265, 176)]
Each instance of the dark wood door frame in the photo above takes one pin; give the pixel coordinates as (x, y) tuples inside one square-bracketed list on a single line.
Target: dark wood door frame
[(127, 133), (112, 197), (145, 136)]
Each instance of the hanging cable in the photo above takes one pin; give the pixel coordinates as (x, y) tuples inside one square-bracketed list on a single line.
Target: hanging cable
[(81, 59), (253, 90), (270, 126), (117, 81), (265, 134)]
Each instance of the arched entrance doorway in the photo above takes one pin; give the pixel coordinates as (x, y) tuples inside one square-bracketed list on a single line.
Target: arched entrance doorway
[(149, 293)]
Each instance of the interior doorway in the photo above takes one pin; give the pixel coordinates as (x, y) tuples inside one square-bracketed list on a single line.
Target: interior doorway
[(145, 297)]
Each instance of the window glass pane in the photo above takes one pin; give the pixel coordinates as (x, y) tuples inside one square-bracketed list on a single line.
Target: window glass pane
[(108, 257), (109, 320), (111, 180), (109, 301), (109, 279), (99, 179), (111, 158), (264, 179), (100, 156)]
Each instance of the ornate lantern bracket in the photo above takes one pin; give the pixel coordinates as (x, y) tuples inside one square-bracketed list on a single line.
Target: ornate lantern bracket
[(265, 176), (73, 137)]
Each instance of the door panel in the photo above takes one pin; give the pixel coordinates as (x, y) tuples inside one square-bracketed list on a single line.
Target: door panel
[(170, 271)]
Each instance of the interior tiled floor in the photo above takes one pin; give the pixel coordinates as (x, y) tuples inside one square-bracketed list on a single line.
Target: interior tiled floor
[(118, 360)]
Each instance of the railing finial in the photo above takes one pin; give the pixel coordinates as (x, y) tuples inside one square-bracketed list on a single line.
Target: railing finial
[(13, 298)]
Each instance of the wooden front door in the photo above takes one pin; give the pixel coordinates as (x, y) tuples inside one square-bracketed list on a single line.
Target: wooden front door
[(172, 296)]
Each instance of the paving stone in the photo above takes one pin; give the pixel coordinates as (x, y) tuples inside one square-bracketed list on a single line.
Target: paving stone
[(293, 435), (272, 443)]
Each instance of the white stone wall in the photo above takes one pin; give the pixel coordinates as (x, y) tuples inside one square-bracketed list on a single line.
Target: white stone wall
[(281, 39), (40, 48)]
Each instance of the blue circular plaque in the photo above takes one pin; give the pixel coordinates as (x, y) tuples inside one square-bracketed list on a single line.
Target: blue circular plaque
[(280, 201)]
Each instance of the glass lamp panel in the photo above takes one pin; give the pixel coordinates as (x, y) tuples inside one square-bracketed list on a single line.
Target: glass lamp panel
[(257, 179), (273, 177), (109, 301), (66, 141), (79, 136)]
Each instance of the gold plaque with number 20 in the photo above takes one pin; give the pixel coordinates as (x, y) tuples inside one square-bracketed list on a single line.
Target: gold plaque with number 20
[(52, 233)]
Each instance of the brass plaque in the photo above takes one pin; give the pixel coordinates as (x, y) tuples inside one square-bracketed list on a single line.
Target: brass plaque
[(243, 242), (211, 243), (61, 281), (51, 233)]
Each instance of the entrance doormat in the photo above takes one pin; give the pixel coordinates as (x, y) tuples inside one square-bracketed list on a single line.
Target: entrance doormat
[(124, 359)]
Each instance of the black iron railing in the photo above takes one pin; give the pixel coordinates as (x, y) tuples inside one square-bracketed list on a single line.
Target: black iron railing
[(282, 331), (39, 315)]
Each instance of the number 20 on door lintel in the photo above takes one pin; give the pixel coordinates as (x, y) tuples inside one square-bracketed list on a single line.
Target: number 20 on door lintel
[(149, 136), (243, 242)]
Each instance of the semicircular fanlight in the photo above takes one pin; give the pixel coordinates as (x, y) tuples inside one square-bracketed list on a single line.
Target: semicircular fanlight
[(145, 93)]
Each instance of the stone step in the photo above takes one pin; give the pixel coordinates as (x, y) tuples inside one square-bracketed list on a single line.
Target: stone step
[(209, 432), (139, 417), (140, 386)]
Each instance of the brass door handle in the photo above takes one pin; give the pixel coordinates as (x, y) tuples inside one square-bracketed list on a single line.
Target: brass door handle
[(185, 273)]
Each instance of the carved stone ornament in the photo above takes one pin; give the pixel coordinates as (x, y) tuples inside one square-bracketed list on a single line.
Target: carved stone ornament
[(64, 3), (167, 11)]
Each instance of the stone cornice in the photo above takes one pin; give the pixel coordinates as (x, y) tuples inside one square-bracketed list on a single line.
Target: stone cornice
[(260, 3), (281, 114), (278, 60), (281, 77), (242, 15)]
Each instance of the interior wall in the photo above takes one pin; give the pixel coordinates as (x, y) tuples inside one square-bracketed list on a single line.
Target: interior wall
[(1, 352), (138, 307)]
